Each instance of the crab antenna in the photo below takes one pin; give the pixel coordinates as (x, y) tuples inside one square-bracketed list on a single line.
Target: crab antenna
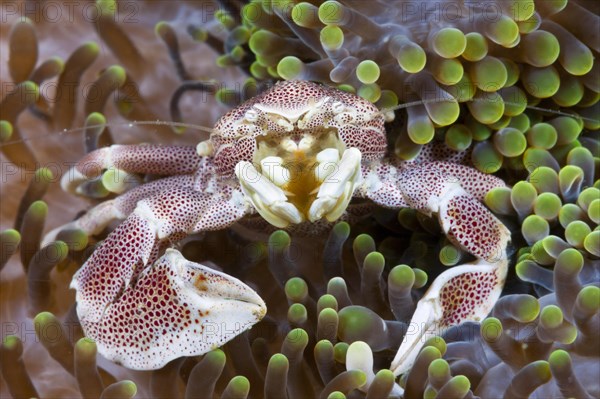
[(124, 124), (383, 111)]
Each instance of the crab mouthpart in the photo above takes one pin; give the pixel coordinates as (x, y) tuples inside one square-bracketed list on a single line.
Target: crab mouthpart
[(301, 181)]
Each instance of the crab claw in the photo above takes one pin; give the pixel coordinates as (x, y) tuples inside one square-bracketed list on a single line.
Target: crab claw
[(338, 188), (176, 308), (144, 310), (268, 199), (462, 293)]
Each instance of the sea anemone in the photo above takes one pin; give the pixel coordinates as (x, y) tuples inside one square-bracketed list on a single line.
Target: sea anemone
[(511, 86)]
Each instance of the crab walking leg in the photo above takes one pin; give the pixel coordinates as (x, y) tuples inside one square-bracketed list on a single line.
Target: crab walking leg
[(147, 159), (144, 312), (97, 218), (462, 293)]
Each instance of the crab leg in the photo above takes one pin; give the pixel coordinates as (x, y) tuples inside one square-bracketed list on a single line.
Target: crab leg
[(96, 219), (462, 293), (142, 311), (145, 159)]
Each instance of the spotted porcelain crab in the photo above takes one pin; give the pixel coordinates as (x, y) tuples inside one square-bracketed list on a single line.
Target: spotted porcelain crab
[(296, 155)]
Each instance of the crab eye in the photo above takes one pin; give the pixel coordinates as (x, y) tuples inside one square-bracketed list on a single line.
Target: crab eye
[(337, 107), (251, 115)]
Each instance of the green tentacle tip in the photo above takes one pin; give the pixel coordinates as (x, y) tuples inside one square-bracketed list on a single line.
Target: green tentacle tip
[(412, 57), (336, 395), (486, 157), (297, 338), (370, 92), (339, 352), (559, 359), (121, 389), (592, 243), (430, 352), (421, 130), (489, 74), (38, 208), (6, 131), (59, 251), (551, 317), (439, 368), (541, 370), (576, 232), (540, 48), (279, 239), (587, 196), (541, 82), (457, 387), (498, 200), (542, 135), (216, 357), (290, 67), (570, 92), (594, 211), (487, 108), (567, 128), (279, 360), (491, 329), (297, 313), (95, 118), (374, 260), (547, 205), (327, 301), (504, 31), (356, 322), (528, 309), (510, 142), (588, 299), (12, 343), (303, 15), (341, 230), (420, 278), (476, 47), (107, 7), (448, 71), (261, 41), (367, 72), (450, 255), (534, 228), (449, 42), (332, 13), (458, 137), (258, 71), (9, 237), (296, 289), (92, 48), (332, 37), (225, 19), (520, 122), (569, 262), (43, 319), (162, 28), (402, 276), (30, 90), (44, 175), (238, 387), (86, 346), (437, 342)]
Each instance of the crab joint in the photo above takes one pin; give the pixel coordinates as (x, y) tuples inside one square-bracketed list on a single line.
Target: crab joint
[(299, 187)]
